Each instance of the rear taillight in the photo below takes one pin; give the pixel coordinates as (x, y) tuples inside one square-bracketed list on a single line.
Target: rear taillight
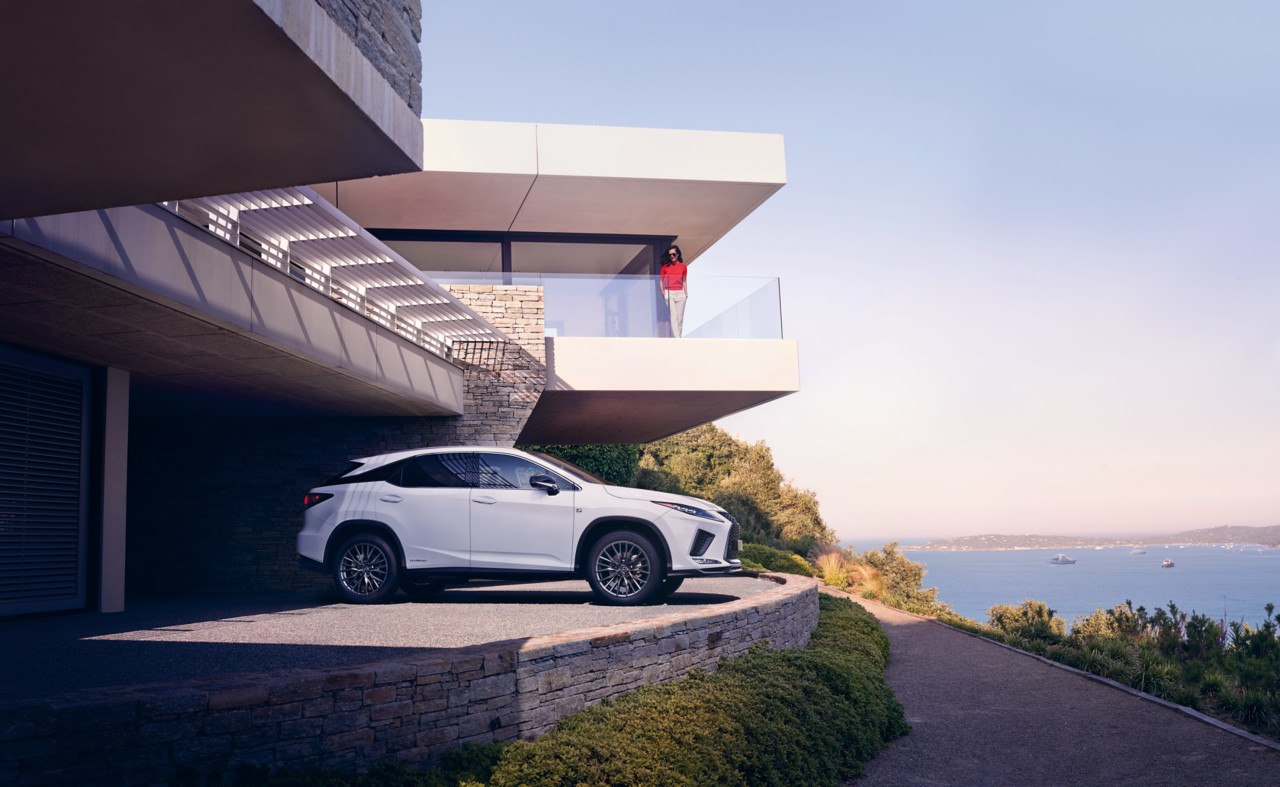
[(313, 498)]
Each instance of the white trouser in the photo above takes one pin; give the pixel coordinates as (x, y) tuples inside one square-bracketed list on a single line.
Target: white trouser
[(675, 304)]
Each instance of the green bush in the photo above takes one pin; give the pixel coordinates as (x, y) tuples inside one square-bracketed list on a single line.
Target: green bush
[(616, 464), (778, 560), (808, 716)]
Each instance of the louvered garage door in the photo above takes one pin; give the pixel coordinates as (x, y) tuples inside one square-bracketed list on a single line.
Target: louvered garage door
[(43, 406)]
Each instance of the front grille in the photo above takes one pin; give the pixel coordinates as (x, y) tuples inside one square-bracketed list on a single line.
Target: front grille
[(735, 534)]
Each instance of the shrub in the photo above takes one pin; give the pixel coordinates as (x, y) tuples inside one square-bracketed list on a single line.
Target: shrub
[(616, 464), (833, 569), (778, 560), (1031, 620)]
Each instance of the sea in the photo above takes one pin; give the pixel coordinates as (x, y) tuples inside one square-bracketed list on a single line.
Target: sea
[(1231, 583)]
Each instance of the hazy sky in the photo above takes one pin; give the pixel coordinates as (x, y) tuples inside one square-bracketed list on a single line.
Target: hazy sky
[(1029, 250)]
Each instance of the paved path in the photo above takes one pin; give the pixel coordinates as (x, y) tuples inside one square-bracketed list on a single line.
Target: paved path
[(985, 715)]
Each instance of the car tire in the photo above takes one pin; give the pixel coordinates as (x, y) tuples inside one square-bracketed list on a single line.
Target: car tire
[(624, 568), (365, 569)]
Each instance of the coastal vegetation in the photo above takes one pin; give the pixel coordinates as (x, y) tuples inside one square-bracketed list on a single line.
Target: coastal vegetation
[(813, 715), (1229, 670)]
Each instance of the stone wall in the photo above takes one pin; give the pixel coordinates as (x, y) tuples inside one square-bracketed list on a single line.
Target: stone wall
[(503, 380), (387, 32), (411, 709)]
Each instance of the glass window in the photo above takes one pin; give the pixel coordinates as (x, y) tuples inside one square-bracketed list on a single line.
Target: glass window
[(438, 470), (500, 471)]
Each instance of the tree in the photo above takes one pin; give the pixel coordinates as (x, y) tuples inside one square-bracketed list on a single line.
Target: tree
[(708, 462)]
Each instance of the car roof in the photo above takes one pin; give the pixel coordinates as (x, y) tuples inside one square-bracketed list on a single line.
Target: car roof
[(381, 459)]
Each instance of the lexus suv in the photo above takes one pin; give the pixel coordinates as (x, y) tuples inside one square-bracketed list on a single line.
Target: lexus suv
[(424, 519)]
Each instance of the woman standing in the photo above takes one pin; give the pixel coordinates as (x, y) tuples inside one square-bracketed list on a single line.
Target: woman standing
[(674, 281)]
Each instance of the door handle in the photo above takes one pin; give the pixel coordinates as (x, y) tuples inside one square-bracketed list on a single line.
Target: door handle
[(485, 499), (391, 498)]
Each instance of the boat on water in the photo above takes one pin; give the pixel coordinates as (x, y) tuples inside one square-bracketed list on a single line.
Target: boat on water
[(1137, 551), (1166, 564), (1062, 560)]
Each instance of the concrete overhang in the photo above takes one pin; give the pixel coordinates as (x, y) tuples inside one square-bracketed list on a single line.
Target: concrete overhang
[(131, 101), (202, 327), (538, 178), (626, 390)]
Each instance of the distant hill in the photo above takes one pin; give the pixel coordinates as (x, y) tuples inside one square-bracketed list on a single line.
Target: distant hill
[(1267, 536)]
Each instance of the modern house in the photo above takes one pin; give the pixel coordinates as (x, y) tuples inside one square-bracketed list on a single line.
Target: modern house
[(221, 277)]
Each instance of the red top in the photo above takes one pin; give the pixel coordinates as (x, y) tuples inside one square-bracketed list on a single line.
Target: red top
[(673, 275)]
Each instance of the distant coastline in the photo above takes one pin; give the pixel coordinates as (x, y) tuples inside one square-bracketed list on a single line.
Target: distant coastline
[(1259, 536)]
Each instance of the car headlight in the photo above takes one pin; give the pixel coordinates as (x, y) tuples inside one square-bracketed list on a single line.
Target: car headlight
[(688, 510)]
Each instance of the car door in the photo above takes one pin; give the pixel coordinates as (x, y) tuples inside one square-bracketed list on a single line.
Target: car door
[(428, 505), (515, 526)]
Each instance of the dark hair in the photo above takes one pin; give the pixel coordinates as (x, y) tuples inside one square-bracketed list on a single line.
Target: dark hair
[(667, 257)]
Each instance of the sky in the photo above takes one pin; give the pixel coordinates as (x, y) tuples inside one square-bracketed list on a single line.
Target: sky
[(1029, 250)]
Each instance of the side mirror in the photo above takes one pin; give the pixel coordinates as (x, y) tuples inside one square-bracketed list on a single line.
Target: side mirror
[(545, 482)]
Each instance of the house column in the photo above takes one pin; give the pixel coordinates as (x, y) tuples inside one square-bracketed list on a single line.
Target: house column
[(115, 478)]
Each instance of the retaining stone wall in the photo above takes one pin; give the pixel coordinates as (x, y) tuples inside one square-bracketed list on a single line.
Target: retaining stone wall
[(411, 709)]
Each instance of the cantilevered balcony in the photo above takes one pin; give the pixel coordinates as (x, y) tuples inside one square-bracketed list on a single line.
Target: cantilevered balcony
[(615, 374)]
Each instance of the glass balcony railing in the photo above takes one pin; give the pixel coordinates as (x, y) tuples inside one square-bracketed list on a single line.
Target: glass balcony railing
[(632, 306)]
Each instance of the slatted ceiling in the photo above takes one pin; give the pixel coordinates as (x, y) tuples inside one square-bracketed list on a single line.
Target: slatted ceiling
[(321, 239), (374, 278), (351, 250), (405, 294), (293, 223)]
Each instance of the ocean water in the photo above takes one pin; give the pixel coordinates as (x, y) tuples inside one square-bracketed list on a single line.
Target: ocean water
[(1224, 583)]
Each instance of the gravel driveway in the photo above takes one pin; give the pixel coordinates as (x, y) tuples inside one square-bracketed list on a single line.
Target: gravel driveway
[(982, 714), (203, 636)]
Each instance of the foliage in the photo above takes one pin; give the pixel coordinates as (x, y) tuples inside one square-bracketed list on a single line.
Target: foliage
[(709, 463), (1232, 671), (616, 464), (902, 581), (812, 715), (1030, 620), (779, 560), (834, 569)]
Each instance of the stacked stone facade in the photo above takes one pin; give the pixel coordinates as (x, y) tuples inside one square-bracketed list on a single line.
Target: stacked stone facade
[(411, 709), (387, 32), (504, 379)]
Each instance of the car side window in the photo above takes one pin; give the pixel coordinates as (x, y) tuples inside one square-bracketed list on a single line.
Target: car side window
[(438, 470), (503, 471)]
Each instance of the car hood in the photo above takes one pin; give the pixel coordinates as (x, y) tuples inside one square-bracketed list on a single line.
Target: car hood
[(627, 493)]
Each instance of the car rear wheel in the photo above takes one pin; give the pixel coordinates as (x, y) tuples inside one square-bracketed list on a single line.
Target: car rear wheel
[(365, 570), (625, 569)]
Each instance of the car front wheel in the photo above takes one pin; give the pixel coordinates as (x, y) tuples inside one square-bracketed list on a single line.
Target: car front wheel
[(365, 570), (625, 569)]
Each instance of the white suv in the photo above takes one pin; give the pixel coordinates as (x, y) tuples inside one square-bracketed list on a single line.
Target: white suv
[(421, 520)]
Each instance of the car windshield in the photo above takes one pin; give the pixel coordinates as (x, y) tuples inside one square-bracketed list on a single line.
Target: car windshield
[(570, 468)]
